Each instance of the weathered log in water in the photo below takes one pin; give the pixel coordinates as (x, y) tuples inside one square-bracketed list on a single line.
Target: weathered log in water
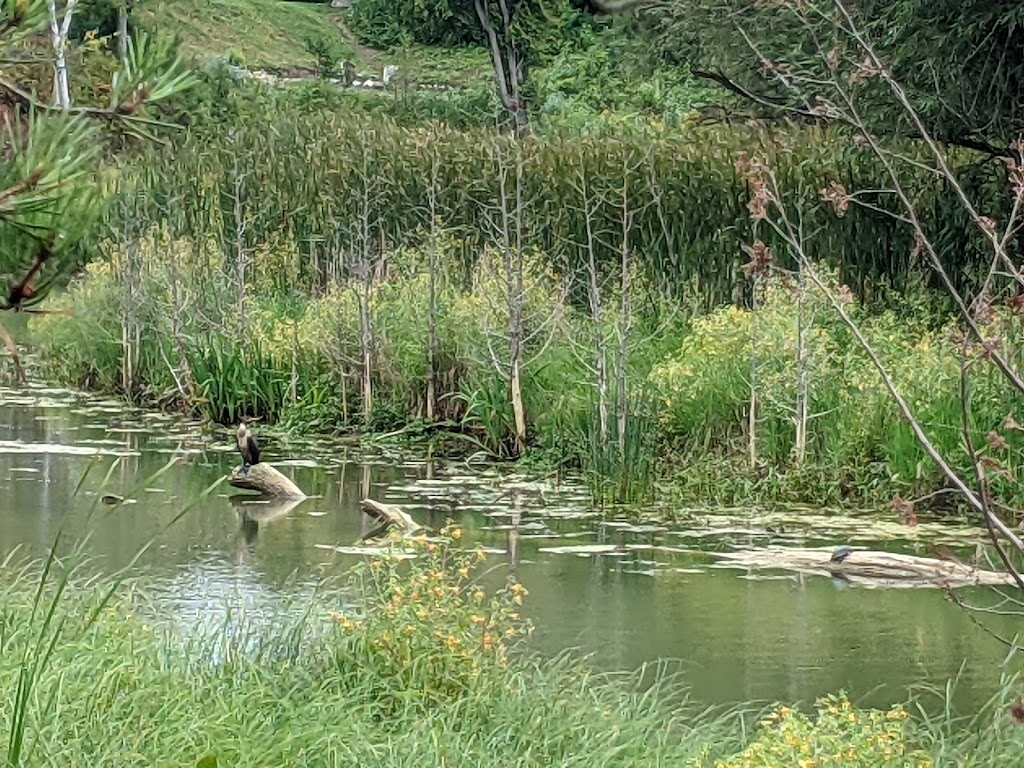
[(869, 569), (268, 481), (390, 516)]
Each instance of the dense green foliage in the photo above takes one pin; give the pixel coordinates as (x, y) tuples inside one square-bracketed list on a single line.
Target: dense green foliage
[(239, 264), (317, 169), (384, 23), (961, 64), (283, 273)]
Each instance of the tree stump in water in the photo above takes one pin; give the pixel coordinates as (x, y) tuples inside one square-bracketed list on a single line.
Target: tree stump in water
[(268, 481), (390, 516)]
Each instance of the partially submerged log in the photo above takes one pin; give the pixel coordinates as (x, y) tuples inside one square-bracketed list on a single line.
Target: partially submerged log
[(870, 569), (268, 481), (390, 516)]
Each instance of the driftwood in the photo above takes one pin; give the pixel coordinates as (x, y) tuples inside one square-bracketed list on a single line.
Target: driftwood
[(870, 569), (268, 481), (389, 516)]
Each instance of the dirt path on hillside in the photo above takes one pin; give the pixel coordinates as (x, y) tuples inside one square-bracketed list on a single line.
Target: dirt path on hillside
[(368, 55)]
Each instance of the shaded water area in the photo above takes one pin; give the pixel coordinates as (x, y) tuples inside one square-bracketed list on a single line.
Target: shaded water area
[(738, 635)]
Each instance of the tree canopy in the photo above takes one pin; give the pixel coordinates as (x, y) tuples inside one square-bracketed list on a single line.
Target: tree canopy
[(960, 63)]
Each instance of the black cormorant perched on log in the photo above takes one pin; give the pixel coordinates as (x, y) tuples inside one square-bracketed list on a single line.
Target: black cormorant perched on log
[(248, 446), (841, 553)]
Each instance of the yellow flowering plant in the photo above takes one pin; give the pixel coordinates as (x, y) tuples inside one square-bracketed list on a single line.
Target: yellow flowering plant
[(840, 735), (427, 630)]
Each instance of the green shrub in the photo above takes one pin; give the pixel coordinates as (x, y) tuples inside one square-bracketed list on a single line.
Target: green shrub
[(853, 422), (839, 736), (427, 633), (389, 23)]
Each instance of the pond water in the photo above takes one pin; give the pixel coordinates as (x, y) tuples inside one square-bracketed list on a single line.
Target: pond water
[(737, 635)]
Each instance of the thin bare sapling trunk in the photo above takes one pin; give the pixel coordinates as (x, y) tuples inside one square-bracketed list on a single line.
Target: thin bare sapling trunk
[(122, 30), (60, 25), (368, 267), (599, 364), (131, 300), (757, 277), (507, 347), (433, 267), (240, 221), (516, 297), (625, 316)]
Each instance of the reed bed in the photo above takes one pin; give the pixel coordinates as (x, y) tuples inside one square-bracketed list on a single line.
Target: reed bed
[(329, 184), (533, 296)]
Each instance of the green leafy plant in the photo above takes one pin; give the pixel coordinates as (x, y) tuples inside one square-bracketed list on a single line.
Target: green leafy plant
[(839, 735), (428, 632)]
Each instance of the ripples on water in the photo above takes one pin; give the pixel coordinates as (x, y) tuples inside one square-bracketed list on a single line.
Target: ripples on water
[(625, 590)]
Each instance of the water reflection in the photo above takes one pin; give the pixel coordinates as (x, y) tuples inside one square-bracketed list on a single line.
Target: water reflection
[(650, 592)]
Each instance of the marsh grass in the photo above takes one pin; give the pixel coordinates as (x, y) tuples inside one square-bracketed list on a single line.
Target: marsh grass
[(380, 683), (36, 618), (410, 662)]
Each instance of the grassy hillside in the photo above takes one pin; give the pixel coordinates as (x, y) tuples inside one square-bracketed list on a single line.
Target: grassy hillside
[(265, 33), (273, 33)]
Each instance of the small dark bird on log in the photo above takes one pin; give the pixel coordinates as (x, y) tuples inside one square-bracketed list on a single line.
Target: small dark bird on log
[(841, 553), (248, 446)]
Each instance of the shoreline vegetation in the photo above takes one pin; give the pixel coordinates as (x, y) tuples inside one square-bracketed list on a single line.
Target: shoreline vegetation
[(606, 293), (564, 300), (387, 264), (423, 666)]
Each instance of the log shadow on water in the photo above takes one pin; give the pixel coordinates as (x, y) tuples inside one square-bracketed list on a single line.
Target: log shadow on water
[(255, 512)]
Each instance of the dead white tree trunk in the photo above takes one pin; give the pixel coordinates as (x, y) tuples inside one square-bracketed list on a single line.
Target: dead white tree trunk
[(512, 260), (625, 316), (366, 271), (432, 269), (801, 415), (122, 31), (600, 354), (241, 252), (60, 25), (752, 408)]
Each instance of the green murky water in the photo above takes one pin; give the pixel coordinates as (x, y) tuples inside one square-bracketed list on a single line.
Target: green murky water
[(656, 594)]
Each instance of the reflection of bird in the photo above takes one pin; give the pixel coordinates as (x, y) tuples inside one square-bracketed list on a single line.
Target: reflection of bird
[(841, 553), (840, 582), (248, 446)]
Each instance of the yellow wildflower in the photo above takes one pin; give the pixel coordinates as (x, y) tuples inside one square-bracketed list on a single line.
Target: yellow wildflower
[(457, 534)]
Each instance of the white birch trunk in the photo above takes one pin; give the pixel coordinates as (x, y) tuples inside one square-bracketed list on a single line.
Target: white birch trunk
[(59, 29)]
